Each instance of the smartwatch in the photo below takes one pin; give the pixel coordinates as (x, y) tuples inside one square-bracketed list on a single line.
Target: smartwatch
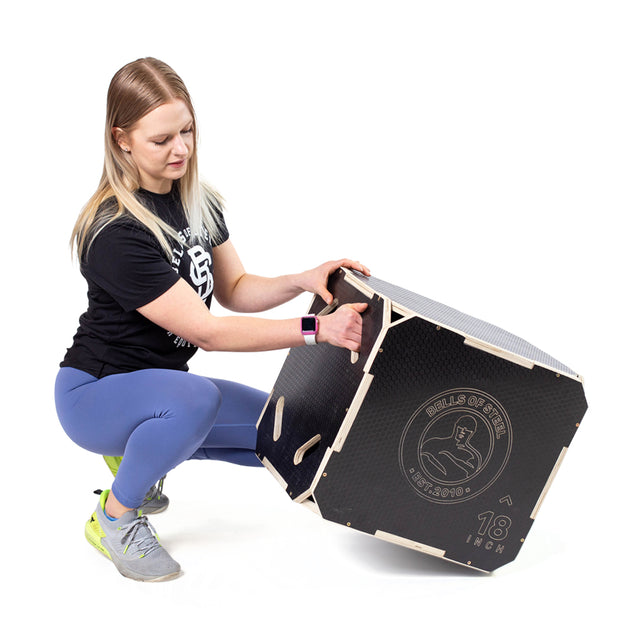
[(309, 329)]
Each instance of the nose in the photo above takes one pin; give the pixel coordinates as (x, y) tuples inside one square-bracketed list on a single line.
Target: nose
[(180, 149)]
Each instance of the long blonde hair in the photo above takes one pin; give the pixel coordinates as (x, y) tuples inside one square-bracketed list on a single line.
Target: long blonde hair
[(135, 90)]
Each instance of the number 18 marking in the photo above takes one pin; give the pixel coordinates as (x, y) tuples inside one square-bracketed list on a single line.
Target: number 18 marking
[(496, 527)]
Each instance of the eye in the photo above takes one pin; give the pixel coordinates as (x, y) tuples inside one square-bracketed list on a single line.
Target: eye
[(160, 143), (187, 131)]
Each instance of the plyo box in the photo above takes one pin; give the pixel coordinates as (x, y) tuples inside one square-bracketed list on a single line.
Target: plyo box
[(443, 434)]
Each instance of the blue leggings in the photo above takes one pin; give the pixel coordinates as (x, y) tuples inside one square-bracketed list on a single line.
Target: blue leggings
[(155, 419)]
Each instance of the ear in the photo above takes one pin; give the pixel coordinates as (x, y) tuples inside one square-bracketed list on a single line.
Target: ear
[(121, 138)]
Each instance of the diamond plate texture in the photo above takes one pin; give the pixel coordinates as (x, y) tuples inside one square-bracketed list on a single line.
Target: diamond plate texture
[(451, 318)]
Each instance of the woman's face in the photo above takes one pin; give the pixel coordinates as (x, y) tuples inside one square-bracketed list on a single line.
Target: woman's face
[(160, 144)]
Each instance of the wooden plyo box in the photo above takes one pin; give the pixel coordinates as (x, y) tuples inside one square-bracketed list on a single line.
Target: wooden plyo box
[(443, 434)]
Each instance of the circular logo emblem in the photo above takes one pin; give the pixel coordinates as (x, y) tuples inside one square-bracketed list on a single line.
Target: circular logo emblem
[(455, 445)]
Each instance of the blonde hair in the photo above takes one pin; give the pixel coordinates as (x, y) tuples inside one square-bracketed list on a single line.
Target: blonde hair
[(135, 90)]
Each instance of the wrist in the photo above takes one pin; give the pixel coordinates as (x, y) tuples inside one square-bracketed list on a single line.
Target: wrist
[(297, 283), (309, 328)]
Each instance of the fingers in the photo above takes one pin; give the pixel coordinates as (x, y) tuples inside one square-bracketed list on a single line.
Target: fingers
[(359, 307), (352, 264), (325, 294), (358, 266), (343, 328), (315, 280), (356, 327)]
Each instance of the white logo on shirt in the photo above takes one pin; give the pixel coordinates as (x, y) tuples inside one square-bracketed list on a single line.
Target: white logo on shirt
[(200, 271)]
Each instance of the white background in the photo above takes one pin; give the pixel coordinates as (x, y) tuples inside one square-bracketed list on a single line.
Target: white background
[(483, 154)]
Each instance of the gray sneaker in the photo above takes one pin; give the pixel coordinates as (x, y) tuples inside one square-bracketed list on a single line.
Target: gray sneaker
[(155, 501), (131, 543)]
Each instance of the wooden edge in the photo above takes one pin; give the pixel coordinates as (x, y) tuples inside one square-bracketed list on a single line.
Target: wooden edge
[(367, 378), (358, 284), (370, 292), (303, 497), (410, 544), (266, 404), (283, 483), (500, 353), (507, 355), (403, 311), (312, 506), (386, 319), (389, 306), (320, 472), (423, 548), (349, 419), (550, 479)]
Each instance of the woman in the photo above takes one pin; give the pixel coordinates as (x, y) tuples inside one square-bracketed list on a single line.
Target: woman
[(151, 241)]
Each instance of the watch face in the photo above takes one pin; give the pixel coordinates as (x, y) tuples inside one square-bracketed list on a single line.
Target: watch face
[(309, 324)]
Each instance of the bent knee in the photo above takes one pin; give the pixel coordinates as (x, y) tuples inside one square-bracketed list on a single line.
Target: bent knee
[(197, 405), (205, 401)]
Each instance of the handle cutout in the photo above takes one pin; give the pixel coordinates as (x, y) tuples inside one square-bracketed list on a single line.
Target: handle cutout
[(305, 449), (277, 421), (329, 308)]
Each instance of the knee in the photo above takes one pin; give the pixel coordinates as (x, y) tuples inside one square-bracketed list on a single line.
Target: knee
[(207, 401), (201, 405)]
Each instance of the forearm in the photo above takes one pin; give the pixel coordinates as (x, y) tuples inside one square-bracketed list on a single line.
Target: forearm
[(252, 294), (343, 328), (244, 333), (181, 311), (242, 292)]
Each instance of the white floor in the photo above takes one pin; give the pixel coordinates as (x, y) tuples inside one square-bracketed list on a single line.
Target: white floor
[(483, 154), (255, 562)]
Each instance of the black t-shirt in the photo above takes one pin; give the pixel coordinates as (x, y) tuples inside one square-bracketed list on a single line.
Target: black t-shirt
[(126, 268)]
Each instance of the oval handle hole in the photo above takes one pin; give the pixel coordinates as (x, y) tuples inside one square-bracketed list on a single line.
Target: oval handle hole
[(304, 449), (277, 421), (329, 308)]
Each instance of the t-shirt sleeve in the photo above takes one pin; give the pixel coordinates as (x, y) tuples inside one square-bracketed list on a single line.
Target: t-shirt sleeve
[(129, 264), (223, 231)]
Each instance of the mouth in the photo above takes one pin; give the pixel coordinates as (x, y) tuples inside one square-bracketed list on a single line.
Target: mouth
[(178, 164)]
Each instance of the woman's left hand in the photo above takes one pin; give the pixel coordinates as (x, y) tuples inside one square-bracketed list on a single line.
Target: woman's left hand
[(315, 280)]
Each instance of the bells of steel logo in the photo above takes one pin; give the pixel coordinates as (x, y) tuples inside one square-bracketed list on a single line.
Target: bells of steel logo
[(455, 445)]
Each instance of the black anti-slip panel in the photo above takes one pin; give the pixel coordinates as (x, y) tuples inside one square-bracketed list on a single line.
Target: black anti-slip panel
[(450, 448)]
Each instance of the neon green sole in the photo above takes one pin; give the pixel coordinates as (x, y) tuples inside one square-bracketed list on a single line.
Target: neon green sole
[(93, 533)]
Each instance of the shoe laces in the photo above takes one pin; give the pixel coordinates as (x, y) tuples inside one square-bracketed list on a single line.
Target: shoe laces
[(141, 535), (156, 491)]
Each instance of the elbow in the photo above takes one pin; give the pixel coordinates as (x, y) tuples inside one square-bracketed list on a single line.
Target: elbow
[(230, 303), (206, 343), (207, 346), (204, 335)]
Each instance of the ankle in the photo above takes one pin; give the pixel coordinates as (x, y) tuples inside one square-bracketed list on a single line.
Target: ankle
[(113, 508)]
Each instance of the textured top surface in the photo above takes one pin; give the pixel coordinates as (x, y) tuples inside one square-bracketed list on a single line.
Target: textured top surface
[(462, 323)]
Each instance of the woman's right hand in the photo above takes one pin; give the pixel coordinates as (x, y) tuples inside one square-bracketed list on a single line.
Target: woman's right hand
[(343, 327)]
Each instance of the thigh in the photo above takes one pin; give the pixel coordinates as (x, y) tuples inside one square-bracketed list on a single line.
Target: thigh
[(101, 414), (237, 418)]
